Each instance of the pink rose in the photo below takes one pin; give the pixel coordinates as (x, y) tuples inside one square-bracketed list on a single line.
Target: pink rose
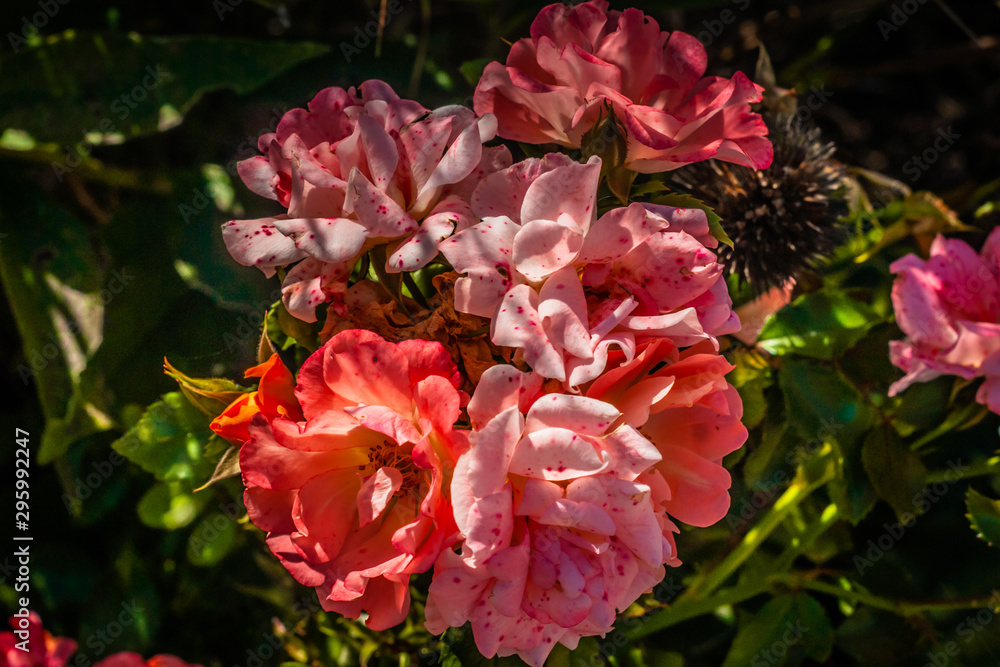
[(357, 170), (559, 533), (351, 496), (36, 647), (557, 83), (949, 308), (565, 287)]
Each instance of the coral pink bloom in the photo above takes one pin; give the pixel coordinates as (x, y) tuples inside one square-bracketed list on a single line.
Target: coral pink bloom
[(559, 534), (684, 405), (275, 397), (949, 308), (129, 659), (355, 170), (29, 645), (351, 496), (565, 287), (556, 85)]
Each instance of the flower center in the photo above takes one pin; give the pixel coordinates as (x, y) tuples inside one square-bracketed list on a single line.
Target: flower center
[(392, 455)]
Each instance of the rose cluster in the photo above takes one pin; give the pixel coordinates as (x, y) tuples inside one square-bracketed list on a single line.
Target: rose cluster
[(531, 432)]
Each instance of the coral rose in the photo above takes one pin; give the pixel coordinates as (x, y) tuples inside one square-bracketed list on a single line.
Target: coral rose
[(352, 494), (578, 59), (559, 533), (357, 169), (682, 402), (949, 308), (32, 646)]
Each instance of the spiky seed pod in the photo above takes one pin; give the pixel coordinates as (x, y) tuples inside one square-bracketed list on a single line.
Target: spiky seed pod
[(782, 219)]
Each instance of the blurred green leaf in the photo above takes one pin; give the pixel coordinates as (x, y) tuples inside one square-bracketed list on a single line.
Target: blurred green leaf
[(821, 325), (472, 70), (57, 287), (168, 441), (107, 87), (212, 539), (169, 506), (824, 407), (984, 516)]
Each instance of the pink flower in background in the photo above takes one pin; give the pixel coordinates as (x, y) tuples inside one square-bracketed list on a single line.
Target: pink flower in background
[(556, 84), (559, 533), (682, 402), (44, 650), (564, 287), (949, 308), (352, 496), (357, 169), (129, 659)]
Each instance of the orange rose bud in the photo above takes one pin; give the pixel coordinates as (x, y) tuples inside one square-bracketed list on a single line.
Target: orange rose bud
[(275, 397)]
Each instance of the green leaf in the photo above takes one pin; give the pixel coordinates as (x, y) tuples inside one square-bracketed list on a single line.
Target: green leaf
[(687, 201), (821, 325), (782, 632), (57, 288), (649, 188), (586, 654), (228, 466), (169, 506), (984, 516), (102, 87), (823, 407), (210, 395), (212, 539), (168, 441), (472, 70), (896, 473)]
